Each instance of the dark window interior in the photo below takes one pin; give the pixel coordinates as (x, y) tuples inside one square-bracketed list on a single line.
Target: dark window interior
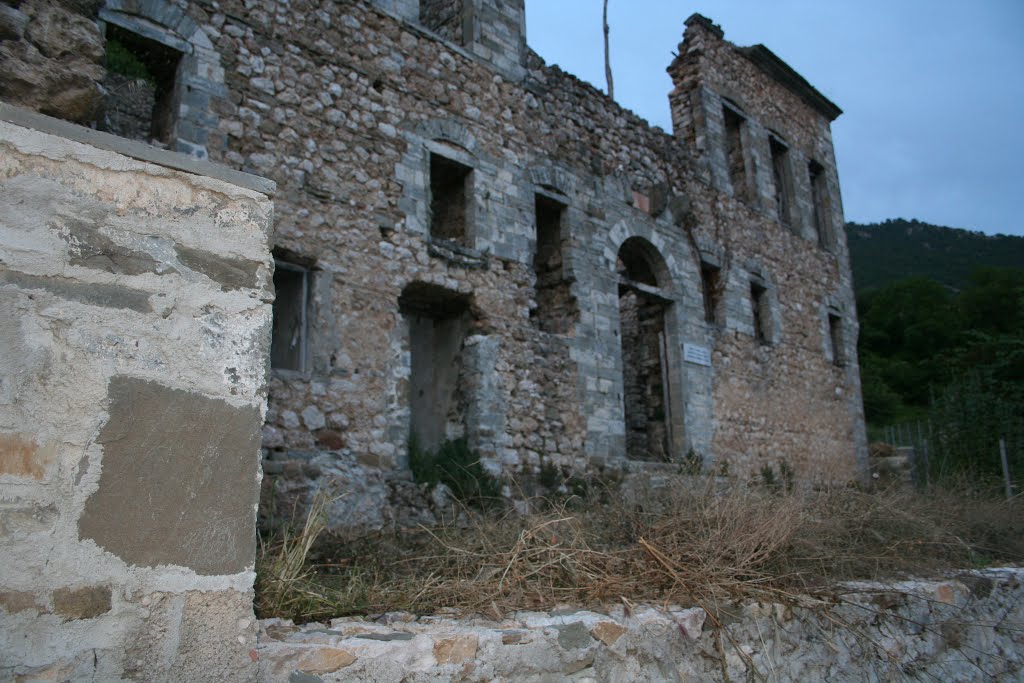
[(759, 308), (449, 199), (783, 180), (289, 338), (821, 209), (734, 151), (711, 285), (556, 309), (835, 331), (140, 98)]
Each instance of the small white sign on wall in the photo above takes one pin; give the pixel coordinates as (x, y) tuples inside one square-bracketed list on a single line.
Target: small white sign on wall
[(696, 354)]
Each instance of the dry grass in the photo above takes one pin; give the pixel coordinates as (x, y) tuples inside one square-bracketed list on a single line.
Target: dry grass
[(697, 545)]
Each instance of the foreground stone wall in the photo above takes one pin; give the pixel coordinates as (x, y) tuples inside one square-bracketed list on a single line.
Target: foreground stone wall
[(134, 328), (964, 629)]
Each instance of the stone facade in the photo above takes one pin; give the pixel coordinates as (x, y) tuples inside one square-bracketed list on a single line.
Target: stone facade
[(471, 243), (134, 329)]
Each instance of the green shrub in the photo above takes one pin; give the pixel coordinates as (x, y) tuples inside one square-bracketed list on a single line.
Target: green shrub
[(121, 60), (457, 467)]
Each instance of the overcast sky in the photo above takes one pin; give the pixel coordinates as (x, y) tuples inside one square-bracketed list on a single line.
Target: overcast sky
[(932, 90)]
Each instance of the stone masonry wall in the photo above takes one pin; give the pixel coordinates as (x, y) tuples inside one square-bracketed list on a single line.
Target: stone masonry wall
[(787, 400), (966, 628), (133, 336), (345, 105)]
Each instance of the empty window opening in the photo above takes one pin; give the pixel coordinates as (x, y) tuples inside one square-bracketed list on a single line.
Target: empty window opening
[(450, 192), (835, 334), (646, 391), (556, 308), (760, 312), (783, 181), (439, 321), (288, 345), (821, 208), (711, 286), (734, 151), (140, 87)]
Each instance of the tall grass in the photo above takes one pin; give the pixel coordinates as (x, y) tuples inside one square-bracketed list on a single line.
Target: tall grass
[(692, 543)]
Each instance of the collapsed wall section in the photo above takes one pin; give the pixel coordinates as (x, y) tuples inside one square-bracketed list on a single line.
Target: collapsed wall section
[(135, 329)]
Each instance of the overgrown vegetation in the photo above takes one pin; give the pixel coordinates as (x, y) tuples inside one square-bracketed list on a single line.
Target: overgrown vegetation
[(882, 253), (689, 543), (286, 580), (121, 60), (954, 362), (456, 466)]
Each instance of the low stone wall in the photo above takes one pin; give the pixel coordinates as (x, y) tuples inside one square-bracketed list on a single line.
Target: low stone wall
[(967, 628), (134, 328)]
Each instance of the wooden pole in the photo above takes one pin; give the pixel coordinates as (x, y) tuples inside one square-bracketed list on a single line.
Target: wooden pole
[(607, 57), (1006, 469)]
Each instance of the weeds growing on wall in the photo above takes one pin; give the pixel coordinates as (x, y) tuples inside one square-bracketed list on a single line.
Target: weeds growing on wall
[(456, 466), (285, 578), (121, 60), (692, 542)]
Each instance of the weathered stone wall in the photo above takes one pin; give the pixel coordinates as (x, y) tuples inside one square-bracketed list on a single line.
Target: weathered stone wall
[(348, 105), (789, 400), (347, 126), (135, 327), (967, 628)]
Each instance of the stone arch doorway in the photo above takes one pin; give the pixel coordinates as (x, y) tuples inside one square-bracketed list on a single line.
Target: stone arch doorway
[(649, 395)]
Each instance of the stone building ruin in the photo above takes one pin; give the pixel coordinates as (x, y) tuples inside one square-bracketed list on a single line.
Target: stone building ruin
[(472, 244), (456, 242)]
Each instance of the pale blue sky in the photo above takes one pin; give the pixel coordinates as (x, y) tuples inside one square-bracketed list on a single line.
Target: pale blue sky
[(932, 90)]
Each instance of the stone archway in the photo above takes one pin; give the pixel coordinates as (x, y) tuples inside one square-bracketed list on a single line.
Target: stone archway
[(646, 376)]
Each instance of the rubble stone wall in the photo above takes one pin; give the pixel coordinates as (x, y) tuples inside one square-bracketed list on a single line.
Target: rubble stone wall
[(133, 337), (965, 628), (345, 104)]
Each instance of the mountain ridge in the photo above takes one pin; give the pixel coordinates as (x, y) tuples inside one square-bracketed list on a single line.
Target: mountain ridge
[(882, 253)]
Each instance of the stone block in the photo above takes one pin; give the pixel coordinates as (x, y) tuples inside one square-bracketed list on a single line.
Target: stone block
[(21, 456), (14, 602), (456, 650), (177, 486), (82, 603)]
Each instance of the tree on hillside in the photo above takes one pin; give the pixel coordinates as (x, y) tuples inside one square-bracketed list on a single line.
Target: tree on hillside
[(955, 360)]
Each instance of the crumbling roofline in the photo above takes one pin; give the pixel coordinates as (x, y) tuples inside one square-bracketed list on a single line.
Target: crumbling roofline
[(771, 64)]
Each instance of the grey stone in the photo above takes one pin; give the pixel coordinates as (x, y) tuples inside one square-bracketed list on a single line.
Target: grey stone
[(231, 273), (94, 294), (313, 418), (92, 249), (302, 677), (12, 23), (386, 637), (207, 448), (574, 636)]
